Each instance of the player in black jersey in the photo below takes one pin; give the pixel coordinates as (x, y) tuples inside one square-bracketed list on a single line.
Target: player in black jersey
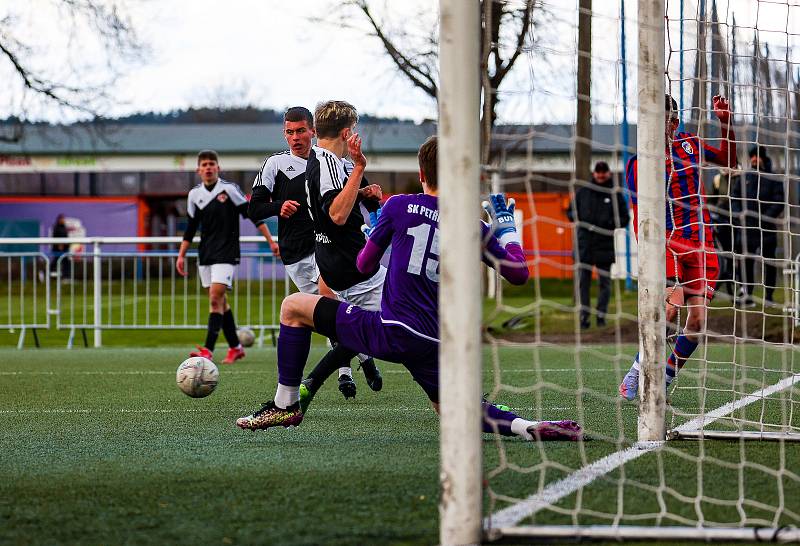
[(280, 190), (215, 205), (335, 196)]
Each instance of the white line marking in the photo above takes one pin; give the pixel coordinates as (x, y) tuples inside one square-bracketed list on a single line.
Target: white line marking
[(487, 371), (554, 492)]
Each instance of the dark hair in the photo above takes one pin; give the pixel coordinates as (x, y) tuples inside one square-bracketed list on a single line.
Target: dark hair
[(760, 151), (427, 161), (299, 113), (671, 106), (207, 154), (601, 167), (330, 117)]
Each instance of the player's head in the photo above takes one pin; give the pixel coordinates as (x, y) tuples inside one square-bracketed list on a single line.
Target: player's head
[(335, 119), (671, 115), (427, 165), (759, 158), (601, 172), (298, 130), (208, 166)]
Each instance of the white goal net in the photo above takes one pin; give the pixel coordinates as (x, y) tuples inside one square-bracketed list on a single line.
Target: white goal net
[(706, 448)]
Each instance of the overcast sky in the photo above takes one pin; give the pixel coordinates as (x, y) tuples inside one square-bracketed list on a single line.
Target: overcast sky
[(271, 53)]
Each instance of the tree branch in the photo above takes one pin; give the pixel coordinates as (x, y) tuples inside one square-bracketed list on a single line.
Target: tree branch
[(417, 73)]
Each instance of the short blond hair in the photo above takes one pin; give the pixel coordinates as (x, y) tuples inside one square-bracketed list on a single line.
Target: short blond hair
[(330, 117)]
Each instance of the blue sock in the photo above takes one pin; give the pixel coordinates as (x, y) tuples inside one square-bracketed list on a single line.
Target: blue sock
[(684, 348), (293, 346)]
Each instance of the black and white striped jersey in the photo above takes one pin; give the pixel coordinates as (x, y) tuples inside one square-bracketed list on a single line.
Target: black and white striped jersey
[(336, 246), (283, 178), (215, 210)]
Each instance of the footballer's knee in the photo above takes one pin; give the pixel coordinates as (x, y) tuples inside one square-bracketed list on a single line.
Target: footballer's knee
[(216, 299), (696, 319), (298, 309)]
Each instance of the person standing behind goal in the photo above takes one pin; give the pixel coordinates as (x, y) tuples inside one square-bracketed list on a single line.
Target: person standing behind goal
[(280, 190), (215, 206)]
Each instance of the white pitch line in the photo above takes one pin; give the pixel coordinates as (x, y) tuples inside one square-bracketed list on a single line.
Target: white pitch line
[(554, 492), (263, 372)]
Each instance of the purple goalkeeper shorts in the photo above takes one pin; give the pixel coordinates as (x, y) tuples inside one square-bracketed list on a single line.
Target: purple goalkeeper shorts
[(364, 332)]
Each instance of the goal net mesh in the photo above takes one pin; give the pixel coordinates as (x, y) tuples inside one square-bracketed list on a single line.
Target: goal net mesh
[(733, 411)]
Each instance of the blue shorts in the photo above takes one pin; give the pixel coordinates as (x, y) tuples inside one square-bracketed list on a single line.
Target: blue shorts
[(363, 331)]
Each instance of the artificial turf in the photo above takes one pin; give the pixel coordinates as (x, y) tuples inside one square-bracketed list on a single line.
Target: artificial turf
[(100, 447)]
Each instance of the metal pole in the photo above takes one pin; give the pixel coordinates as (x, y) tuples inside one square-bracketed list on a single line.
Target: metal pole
[(460, 347), (626, 155), (98, 294), (651, 197)]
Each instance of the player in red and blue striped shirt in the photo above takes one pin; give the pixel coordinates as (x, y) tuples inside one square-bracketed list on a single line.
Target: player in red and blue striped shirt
[(692, 265)]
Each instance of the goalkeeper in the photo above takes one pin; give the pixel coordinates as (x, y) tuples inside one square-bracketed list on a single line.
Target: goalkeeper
[(406, 328), (692, 265)]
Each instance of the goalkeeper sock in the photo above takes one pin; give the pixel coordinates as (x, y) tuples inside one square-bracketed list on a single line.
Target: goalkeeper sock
[(229, 329), (214, 324), (293, 346), (497, 420), (286, 396), (636, 365), (346, 370), (684, 348)]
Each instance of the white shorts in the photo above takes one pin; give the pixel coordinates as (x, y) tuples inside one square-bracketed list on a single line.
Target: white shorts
[(305, 274), (367, 294), (216, 273)]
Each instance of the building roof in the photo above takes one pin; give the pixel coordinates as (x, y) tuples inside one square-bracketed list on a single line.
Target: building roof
[(139, 138), (253, 138)]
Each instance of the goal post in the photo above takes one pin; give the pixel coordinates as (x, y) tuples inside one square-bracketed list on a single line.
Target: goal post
[(460, 504), (651, 197)]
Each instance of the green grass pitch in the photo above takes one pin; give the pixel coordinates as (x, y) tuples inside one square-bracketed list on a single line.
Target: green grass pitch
[(100, 447)]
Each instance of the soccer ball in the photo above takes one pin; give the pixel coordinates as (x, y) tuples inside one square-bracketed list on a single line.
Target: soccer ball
[(246, 337), (197, 377)]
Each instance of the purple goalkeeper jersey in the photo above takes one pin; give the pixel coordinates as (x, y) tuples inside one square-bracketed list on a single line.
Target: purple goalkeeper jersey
[(410, 224)]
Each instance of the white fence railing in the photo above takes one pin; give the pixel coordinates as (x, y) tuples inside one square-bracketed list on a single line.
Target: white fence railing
[(114, 287)]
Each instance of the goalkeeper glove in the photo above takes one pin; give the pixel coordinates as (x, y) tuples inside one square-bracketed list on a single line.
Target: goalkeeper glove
[(501, 214), (373, 220)]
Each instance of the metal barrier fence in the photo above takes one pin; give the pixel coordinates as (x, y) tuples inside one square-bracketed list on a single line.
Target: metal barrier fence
[(129, 289), (794, 271)]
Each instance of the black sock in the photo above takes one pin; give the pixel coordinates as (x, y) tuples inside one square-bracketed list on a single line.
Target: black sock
[(330, 363), (214, 324), (229, 329)]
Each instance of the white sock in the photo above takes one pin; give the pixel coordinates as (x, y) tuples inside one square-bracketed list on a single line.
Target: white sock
[(636, 366), (330, 343), (362, 357), (346, 371), (519, 426), (286, 396)]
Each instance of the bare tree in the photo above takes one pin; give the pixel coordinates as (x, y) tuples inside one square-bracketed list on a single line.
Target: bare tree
[(506, 33), (63, 56)]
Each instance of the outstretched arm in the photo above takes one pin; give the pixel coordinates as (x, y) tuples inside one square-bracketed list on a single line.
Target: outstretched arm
[(379, 237), (502, 249), (725, 155)]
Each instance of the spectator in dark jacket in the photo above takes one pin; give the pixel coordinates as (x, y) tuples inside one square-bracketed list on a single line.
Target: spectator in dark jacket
[(757, 204), (598, 209), (59, 249), (719, 205)]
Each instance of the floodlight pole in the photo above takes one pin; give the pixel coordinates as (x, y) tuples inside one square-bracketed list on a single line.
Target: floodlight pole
[(460, 273), (650, 136)]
